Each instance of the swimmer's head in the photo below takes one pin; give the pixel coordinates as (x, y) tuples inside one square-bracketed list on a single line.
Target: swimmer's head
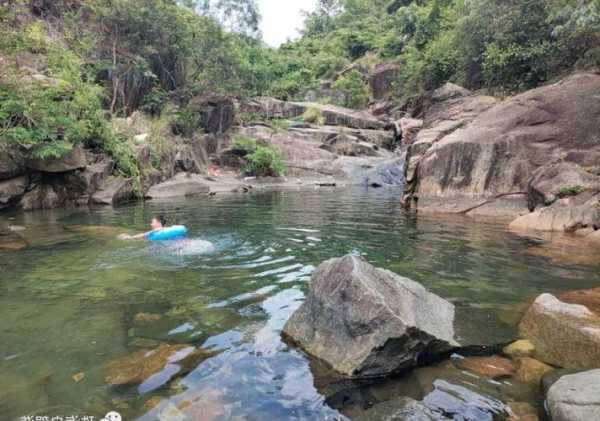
[(158, 222)]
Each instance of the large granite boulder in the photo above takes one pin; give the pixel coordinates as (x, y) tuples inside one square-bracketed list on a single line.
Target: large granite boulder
[(449, 108), (182, 185), (12, 163), (365, 321), (497, 152), (567, 214), (113, 191), (575, 397), (381, 80), (335, 116), (216, 113), (73, 160), (12, 190), (555, 181), (564, 335)]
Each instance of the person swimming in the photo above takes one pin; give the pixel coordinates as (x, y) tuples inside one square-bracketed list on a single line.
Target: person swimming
[(159, 231), (163, 234)]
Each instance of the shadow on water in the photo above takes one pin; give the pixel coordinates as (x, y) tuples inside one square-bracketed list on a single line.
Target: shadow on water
[(77, 299)]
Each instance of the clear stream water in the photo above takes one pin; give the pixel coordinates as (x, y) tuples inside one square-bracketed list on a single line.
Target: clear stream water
[(68, 302)]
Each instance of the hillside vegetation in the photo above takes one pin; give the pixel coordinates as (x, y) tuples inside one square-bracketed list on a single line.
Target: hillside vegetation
[(109, 58)]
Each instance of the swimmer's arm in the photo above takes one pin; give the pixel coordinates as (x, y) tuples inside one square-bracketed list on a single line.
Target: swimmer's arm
[(133, 237)]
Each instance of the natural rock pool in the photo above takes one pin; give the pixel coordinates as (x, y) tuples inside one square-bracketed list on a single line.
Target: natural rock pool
[(80, 309)]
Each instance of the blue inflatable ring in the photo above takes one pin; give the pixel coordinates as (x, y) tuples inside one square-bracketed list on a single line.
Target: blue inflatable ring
[(171, 233)]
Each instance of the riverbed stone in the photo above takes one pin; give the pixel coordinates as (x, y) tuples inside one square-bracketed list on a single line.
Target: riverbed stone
[(530, 370), (522, 411), (459, 403), (575, 397), (520, 348), (182, 185), (365, 321), (141, 365), (493, 367), (564, 335)]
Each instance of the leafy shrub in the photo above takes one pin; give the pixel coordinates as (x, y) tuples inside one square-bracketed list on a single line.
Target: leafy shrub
[(264, 162), (354, 90), (185, 122), (244, 144), (313, 115), (569, 191), (154, 102)]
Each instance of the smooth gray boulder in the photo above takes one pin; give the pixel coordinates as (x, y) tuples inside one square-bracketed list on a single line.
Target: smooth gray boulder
[(575, 397), (182, 185), (366, 322)]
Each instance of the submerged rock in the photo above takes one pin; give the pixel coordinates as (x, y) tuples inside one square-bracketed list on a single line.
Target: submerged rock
[(366, 321), (520, 348), (493, 367), (459, 403), (575, 397), (530, 370), (403, 408), (140, 366), (564, 335)]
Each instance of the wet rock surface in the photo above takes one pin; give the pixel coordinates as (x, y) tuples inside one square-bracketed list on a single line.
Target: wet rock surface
[(366, 322)]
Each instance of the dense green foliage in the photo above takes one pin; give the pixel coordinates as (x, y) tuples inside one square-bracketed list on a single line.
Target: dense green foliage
[(501, 44), (108, 58), (262, 159)]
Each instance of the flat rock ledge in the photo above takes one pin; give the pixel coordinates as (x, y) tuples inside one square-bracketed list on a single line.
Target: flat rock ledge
[(369, 322)]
